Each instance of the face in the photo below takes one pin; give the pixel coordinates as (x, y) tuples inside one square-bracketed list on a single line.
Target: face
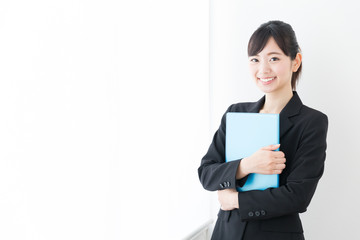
[(272, 69)]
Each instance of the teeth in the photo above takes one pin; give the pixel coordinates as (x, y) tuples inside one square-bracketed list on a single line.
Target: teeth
[(266, 79)]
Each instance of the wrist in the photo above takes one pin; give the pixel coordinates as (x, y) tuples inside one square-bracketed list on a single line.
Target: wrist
[(243, 169), (236, 200)]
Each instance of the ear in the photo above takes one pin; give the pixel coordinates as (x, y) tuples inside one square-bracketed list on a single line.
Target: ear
[(296, 62)]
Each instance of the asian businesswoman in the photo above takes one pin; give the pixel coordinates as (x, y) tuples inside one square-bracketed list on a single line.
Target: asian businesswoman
[(275, 63)]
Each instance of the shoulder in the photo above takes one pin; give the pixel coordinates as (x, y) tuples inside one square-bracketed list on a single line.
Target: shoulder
[(238, 107), (311, 121), (312, 115), (241, 107)]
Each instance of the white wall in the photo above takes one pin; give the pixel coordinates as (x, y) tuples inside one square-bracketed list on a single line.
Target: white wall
[(104, 118), (105, 112), (328, 34)]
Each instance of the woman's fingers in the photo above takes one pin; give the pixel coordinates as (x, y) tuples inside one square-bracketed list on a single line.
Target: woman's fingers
[(280, 166), (266, 161), (277, 169), (277, 172), (278, 154), (271, 147), (228, 199), (279, 160)]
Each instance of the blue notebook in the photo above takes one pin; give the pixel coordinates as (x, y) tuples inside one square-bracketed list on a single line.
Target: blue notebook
[(245, 134)]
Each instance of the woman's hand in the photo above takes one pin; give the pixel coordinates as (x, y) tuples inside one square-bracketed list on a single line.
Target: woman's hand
[(263, 161), (228, 199)]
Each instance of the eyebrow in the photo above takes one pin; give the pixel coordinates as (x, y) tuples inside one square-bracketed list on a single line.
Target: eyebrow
[(270, 53)]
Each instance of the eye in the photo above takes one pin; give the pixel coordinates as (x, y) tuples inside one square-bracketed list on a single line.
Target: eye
[(254, 60), (274, 59)]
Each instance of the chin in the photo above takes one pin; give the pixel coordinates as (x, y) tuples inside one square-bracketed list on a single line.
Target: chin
[(266, 89)]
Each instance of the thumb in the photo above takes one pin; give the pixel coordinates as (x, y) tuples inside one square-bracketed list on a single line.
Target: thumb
[(271, 147)]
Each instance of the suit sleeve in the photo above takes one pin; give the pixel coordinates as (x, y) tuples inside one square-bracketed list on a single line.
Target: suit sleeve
[(214, 172), (296, 194)]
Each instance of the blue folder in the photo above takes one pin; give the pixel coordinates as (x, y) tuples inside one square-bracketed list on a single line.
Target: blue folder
[(245, 134)]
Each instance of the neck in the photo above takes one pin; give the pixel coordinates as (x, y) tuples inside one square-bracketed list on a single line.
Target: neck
[(275, 102)]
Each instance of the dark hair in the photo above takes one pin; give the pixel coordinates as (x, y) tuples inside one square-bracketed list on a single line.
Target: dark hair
[(285, 38)]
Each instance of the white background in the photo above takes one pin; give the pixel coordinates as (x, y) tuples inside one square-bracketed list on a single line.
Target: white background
[(104, 119), (106, 110)]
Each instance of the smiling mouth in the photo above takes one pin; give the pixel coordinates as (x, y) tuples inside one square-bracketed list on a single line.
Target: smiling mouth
[(266, 80)]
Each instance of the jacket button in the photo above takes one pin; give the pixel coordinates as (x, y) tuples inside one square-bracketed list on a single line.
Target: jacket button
[(263, 212), (257, 213), (228, 184), (251, 214), (222, 186)]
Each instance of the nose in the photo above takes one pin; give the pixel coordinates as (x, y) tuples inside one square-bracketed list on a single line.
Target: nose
[(264, 67)]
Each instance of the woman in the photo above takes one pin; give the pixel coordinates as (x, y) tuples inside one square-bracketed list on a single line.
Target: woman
[(275, 65)]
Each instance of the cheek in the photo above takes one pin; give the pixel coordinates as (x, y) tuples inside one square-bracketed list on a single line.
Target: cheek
[(252, 70), (282, 70)]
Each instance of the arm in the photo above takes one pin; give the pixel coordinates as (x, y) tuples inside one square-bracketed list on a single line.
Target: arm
[(296, 194), (214, 172), (263, 161)]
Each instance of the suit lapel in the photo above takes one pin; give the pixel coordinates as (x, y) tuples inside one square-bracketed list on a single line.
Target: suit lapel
[(255, 107), (285, 125), (291, 109)]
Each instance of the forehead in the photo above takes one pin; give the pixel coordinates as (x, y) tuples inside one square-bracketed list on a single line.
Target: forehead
[(271, 47)]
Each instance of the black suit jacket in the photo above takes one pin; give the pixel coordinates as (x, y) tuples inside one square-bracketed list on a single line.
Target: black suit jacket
[(272, 213)]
